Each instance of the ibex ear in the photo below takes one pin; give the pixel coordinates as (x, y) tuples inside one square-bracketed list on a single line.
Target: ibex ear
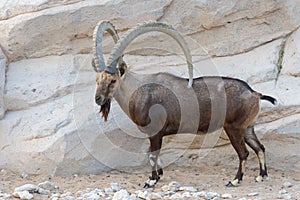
[(122, 67)]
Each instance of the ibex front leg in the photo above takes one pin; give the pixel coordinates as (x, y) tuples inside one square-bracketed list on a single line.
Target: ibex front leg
[(155, 146)]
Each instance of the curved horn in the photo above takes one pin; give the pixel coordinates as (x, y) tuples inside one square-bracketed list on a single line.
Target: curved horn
[(144, 28), (102, 26)]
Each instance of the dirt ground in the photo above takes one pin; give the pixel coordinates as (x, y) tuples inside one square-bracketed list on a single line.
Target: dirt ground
[(209, 179), (211, 176)]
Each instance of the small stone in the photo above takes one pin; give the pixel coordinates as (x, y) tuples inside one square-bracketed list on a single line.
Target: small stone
[(283, 191), (101, 193), (115, 187), (154, 196), (121, 195), (188, 189), (43, 192), (27, 187), (165, 188), (201, 194), (227, 196), (68, 198), (143, 195), (174, 186), (66, 194), (133, 197), (252, 194), (56, 195), (287, 184), (91, 196), (211, 195), (24, 175), (108, 191), (4, 195), (243, 198), (186, 195), (286, 196), (23, 195), (47, 185), (176, 196), (79, 193)]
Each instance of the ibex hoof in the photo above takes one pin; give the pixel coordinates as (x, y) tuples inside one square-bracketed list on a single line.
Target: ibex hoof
[(233, 183), (150, 183), (261, 178)]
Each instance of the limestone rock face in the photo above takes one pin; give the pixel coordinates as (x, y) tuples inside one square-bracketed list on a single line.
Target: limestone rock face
[(47, 85), (3, 62), (221, 28), (291, 56)]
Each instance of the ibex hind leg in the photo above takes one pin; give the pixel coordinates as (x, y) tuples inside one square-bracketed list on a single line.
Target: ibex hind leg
[(236, 137), (155, 146), (252, 140)]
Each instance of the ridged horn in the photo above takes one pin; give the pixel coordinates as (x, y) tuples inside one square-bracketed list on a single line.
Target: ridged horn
[(144, 28), (100, 29)]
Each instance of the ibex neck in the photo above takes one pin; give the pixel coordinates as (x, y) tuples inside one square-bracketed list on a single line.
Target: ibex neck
[(129, 83)]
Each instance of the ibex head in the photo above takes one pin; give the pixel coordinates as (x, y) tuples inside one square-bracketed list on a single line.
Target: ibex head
[(107, 78)]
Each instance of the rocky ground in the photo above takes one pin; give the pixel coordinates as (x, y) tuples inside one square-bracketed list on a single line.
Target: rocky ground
[(177, 183)]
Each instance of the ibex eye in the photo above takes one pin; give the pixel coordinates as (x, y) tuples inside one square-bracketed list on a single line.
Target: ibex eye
[(113, 81)]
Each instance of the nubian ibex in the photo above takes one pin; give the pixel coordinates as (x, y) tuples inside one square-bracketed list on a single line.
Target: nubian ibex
[(162, 104)]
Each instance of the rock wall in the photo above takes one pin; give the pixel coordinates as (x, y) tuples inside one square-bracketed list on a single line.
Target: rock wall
[(52, 125), (3, 62)]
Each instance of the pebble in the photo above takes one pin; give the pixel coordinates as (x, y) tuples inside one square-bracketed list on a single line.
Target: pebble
[(174, 186), (176, 196), (188, 189), (121, 195), (283, 194), (143, 194), (68, 198), (155, 196), (56, 195), (283, 191), (186, 195), (252, 194), (4, 195), (201, 194), (287, 196), (24, 175), (27, 187), (47, 185), (212, 195), (115, 187), (109, 191), (90, 196), (227, 196), (287, 184), (165, 188), (23, 195)]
